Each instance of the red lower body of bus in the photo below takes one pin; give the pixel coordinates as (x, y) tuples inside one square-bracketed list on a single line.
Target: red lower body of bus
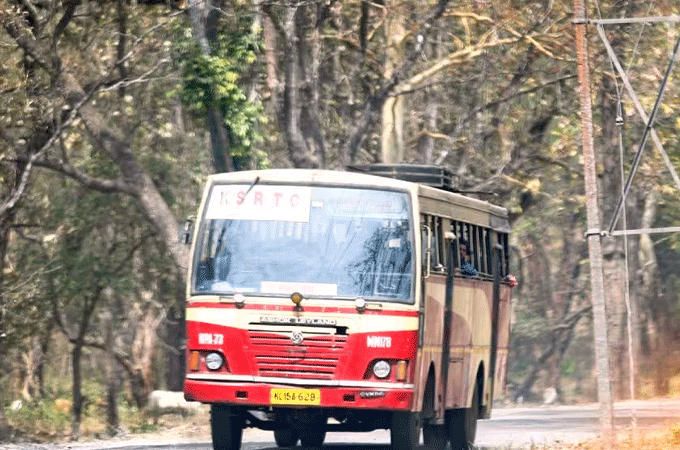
[(258, 394), (337, 367)]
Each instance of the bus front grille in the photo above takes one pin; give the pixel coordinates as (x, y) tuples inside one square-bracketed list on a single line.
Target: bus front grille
[(315, 358)]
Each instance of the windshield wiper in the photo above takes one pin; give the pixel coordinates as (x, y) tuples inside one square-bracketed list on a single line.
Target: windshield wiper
[(255, 181)]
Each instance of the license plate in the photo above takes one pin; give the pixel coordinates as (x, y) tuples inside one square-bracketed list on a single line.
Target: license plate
[(295, 396)]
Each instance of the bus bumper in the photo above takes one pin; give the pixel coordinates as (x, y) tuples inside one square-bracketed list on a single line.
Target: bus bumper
[(259, 394)]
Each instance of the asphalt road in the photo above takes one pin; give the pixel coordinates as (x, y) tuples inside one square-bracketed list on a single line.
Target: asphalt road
[(516, 428), (570, 424)]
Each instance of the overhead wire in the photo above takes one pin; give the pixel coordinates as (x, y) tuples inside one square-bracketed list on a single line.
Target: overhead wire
[(629, 310)]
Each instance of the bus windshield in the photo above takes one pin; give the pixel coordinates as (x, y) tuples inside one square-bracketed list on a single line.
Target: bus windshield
[(319, 241)]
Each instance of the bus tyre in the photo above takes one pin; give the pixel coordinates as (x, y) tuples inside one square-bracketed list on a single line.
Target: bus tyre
[(434, 436), (226, 429), (285, 437), (312, 438), (471, 415), (405, 430), (462, 424)]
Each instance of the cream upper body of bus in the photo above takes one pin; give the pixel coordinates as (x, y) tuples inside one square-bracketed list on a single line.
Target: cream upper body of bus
[(296, 223)]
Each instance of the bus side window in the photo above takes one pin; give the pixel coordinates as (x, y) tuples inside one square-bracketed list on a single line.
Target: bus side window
[(482, 250), (437, 245), (447, 231), (426, 233), (455, 229), (473, 250), (487, 251), (505, 258), (464, 236), (481, 263)]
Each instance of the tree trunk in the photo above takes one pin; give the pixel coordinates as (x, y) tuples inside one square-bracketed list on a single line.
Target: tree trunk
[(77, 397), (426, 142), (176, 339), (301, 155), (45, 341), (203, 18), (143, 351), (111, 374), (392, 140), (4, 429), (269, 37), (220, 142), (6, 219), (659, 312), (175, 336)]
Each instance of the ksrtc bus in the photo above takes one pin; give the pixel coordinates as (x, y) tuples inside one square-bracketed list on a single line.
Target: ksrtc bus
[(323, 301)]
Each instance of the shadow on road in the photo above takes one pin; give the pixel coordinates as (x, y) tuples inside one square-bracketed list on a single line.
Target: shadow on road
[(268, 446)]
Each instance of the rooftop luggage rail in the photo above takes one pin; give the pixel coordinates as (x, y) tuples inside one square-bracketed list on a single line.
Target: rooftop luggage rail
[(430, 175)]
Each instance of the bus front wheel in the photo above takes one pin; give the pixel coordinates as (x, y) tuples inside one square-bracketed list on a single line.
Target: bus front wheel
[(434, 436), (286, 437), (405, 430), (312, 438), (226, 428)]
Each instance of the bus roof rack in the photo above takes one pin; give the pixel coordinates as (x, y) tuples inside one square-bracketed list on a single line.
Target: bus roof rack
[(431, 175)]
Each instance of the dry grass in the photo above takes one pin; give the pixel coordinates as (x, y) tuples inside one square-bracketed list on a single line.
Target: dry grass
[(649, 439)]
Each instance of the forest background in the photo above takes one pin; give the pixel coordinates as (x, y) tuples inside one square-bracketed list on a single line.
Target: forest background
[(113, 113)]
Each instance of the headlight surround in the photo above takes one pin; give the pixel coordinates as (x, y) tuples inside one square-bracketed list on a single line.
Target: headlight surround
[(213, 361), (381, 369)]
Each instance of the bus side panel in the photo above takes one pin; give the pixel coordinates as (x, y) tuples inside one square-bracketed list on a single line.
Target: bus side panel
[(461, 345), (503, 341), (470, 340), (433, 330), (481, 338)]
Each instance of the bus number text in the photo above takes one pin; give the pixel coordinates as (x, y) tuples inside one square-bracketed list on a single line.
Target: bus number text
[(210, 339), (378, 342)]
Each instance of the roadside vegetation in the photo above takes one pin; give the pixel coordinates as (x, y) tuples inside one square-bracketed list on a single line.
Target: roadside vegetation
[(655, 439)]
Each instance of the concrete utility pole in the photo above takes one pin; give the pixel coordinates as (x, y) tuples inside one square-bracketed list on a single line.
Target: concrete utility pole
[(604, 391)]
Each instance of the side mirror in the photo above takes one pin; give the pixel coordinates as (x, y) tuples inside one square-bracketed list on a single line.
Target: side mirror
[(187, 230)]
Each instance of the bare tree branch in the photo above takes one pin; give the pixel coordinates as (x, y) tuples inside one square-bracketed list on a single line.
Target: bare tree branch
[(65, 20), (21, 187), (16, 26), (106, 135), (376, 101)]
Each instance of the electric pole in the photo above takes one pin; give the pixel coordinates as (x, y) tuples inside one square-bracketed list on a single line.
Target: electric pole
[(593, 233)]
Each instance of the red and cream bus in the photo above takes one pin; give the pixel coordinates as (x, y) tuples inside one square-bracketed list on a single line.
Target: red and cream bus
[(324, 301)]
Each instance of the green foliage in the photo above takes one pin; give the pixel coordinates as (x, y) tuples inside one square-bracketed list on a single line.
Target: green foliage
[(41, 418), (213, 81), (569, 368)]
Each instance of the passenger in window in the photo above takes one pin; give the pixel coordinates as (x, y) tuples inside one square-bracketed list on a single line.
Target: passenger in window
[(466, 267)]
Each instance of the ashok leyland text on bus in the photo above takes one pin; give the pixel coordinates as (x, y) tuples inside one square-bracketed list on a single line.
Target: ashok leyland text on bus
[(316, 295)]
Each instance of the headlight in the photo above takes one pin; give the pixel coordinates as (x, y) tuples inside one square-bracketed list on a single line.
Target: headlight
[(213, 361), (381, 369)]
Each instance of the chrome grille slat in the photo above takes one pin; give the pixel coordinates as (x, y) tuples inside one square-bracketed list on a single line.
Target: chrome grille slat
[(276, 356)]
